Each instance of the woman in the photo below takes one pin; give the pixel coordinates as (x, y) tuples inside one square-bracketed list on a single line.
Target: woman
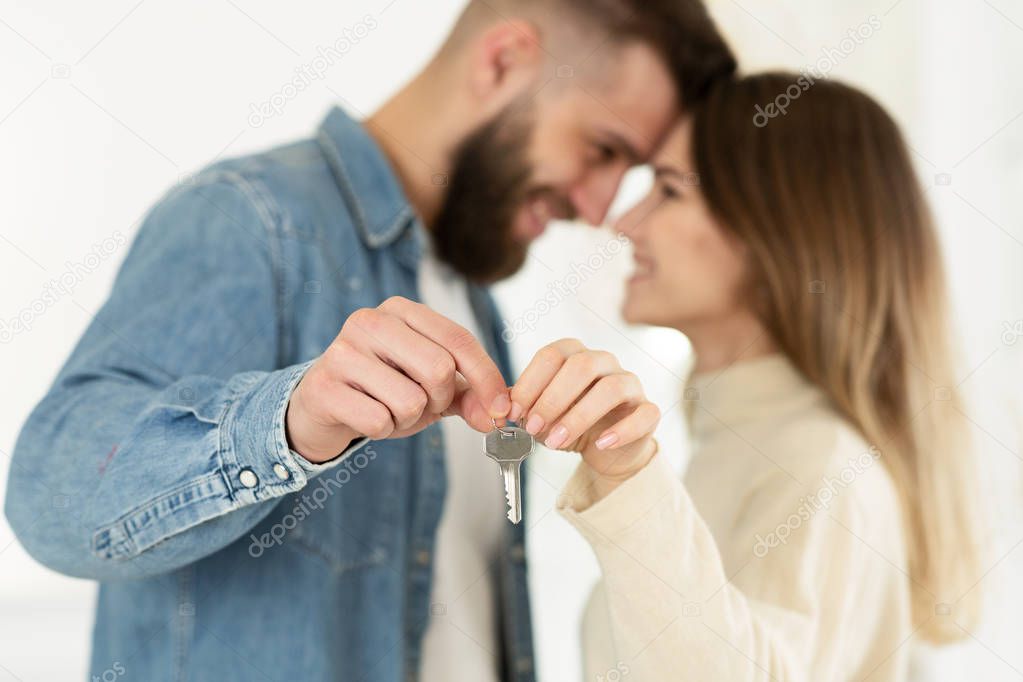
[(826, 514)]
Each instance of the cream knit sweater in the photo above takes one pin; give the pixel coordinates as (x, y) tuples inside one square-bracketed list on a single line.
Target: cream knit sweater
[(781, 557)]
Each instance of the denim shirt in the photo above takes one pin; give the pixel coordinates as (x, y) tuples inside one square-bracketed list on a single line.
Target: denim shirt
[(157, 462)]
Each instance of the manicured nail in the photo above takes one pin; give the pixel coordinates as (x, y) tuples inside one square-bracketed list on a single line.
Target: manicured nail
[(499, 407), (606, 441), (516, 411), (534, 424), (556, 438)]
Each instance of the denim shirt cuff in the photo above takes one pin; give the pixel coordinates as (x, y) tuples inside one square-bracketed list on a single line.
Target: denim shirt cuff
[(257, 462), (312, 468)]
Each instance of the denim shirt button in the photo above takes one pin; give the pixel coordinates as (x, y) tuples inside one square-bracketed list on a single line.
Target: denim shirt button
[(354, 283), (248, 478), (423, 557), (282, 471)]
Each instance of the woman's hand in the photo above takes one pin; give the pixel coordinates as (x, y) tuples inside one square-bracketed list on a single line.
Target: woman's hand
[(577, 399)]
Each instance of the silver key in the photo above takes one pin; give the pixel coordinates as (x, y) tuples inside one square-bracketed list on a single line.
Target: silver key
[(509, 446)]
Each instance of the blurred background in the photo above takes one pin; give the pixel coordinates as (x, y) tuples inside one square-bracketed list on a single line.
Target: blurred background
[(104, 106)]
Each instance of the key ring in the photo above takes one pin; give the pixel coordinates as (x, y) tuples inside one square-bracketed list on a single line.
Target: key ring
[(498, 428)]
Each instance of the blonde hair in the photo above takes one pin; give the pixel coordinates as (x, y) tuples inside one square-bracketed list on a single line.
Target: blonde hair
[(846, 275)]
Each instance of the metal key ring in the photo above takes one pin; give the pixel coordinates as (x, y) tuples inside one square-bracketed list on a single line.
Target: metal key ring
[(498, 428)]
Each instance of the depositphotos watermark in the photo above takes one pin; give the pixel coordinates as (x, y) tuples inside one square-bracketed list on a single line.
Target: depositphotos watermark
[(820, 500), (559, 290), (1012, 332), (314, 70), (809, 75), (74, 274), (615, 674), (110, 674), (325, 488)]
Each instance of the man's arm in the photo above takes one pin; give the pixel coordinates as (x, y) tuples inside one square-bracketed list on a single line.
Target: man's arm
[(168, 434), (157, 443)]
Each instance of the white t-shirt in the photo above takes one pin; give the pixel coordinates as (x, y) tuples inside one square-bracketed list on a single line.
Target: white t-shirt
[(461, 640)]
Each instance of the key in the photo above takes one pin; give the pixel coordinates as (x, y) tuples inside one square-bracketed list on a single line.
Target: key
[(509, 446)]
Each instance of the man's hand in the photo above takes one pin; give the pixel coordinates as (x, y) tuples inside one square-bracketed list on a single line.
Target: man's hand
[(578, 399), (391, 372)]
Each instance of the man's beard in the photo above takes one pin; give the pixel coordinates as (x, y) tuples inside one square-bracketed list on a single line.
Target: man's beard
[(487, 187)]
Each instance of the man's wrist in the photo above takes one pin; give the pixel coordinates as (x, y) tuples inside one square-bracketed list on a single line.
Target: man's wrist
[(310, 452), (333, 440)]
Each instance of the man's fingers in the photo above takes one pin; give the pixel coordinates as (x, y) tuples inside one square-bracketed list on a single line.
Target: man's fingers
[(404, 399), (392, 340), (467, 406), (471, 359), (361, 413), (425, 420)]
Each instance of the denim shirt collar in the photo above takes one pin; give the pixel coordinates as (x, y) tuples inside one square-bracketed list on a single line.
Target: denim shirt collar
[(379, 207)]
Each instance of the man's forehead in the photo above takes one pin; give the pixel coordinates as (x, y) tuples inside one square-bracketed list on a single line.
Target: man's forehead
[(636, 98)]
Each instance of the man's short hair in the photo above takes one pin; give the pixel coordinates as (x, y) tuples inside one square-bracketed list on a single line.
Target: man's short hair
[(681, 32)]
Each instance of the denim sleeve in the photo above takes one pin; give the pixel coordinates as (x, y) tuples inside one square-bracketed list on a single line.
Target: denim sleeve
[(162, 438)]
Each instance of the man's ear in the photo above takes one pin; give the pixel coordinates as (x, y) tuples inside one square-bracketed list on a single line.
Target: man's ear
[(505, 60)]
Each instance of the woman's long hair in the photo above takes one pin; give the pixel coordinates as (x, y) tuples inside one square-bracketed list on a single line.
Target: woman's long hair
[(846, 275)]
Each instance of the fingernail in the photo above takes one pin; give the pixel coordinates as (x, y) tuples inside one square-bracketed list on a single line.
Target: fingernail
[(534, 424), (606, 441), (500, 406), (516, 411), (556, 438)]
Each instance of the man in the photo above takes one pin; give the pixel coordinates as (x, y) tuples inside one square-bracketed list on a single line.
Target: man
[(205, 452)]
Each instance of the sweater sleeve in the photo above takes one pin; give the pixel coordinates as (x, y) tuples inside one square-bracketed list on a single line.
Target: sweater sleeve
[(674, 612)]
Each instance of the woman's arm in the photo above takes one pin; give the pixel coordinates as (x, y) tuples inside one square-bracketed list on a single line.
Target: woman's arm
[(791, 612), (809, 607)]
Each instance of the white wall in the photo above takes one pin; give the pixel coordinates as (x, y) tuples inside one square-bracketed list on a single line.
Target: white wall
[(104, 106)]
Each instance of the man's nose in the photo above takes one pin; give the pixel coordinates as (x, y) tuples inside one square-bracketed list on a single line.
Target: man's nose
[(592, 198), (629, 223)]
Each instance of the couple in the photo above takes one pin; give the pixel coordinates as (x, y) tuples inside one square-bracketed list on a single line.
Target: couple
[(312, 312)]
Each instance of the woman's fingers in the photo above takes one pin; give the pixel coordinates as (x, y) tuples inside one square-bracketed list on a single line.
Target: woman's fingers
[(575, 379), (582, 400), (638, 424), (608, 393), (539, 373), (578, 399)]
